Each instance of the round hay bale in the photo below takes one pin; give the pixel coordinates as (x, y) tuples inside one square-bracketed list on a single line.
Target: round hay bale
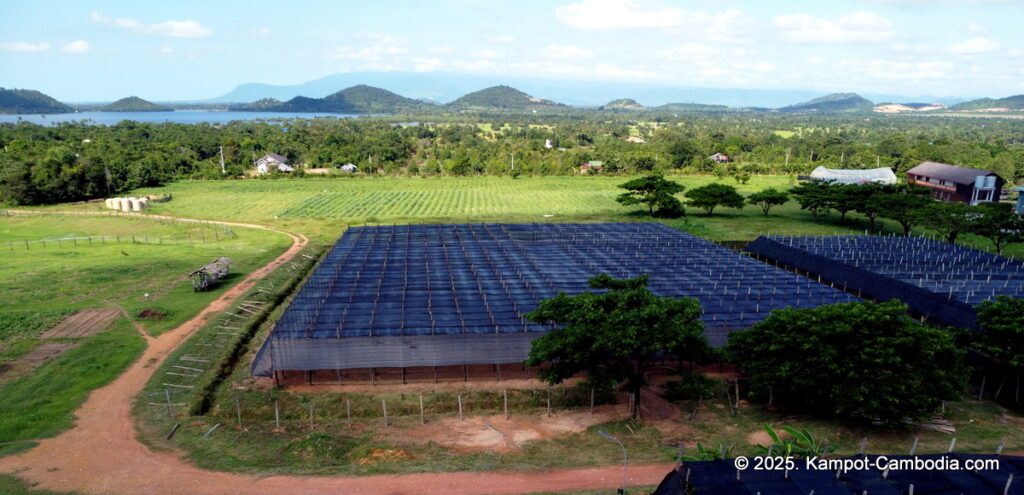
[(136, 204), (126, 204)]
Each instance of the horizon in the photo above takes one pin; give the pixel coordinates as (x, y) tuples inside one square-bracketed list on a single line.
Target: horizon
[(189, 51)]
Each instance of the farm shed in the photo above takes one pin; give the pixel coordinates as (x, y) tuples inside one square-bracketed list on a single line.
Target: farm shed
[(592, 167), (883, 175), (720, 477), (938, 280), (959, 184), (457, 295), (205, 277)]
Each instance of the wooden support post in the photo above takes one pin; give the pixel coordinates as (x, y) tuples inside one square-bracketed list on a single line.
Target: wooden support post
[(421, 410), (497, 369), (348, 410), (311, 424), (277, 416), (591, 400), (373, 376), (460, 407), (505, 394), (435, 374), (170, 408), (309, 377), (384, 404), (549, 402), (982, 391)]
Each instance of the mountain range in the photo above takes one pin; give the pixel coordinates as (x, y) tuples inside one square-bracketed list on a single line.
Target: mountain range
[(134, 104), (446, 87), (29, 101)]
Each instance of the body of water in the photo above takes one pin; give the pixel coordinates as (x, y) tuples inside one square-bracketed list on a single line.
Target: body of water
[(177, 116)]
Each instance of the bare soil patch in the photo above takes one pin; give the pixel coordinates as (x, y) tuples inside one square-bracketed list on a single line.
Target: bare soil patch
[(34, 359), (497, 434), (83, 324), (152, 314)]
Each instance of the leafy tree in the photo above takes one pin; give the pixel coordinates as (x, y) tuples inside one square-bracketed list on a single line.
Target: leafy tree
[(998, 223), (858, 361), (768, 198), (865, 204), (903, 204), (813, 196), (1002, 330), (741, 175), (654, 191), (615, 335), (843, 198), (948, 219), (711, 196)]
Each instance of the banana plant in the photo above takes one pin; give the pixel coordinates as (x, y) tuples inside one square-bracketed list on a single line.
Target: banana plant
[(801, 442), (706, 454)]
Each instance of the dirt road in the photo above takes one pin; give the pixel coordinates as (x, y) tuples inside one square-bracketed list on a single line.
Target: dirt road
[(101, 455)]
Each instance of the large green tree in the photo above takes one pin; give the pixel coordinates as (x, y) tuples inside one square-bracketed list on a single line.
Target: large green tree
[(857, 361), (712, 196), (654, 191), (1001, 322), (998, 223), (615, 335), (768, 198), (948, 219), (903, 204)]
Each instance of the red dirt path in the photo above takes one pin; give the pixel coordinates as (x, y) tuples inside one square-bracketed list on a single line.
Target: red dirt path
[(101, 455)]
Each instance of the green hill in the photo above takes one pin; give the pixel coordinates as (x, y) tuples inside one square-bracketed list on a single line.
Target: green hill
[(623, 104), (134, 104), (691, 107), (833, 103), (1011, 102), (29, 101), (357, 99), (500, 97)]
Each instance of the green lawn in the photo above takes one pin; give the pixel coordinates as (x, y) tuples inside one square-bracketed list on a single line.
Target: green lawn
[(134, 275), (9, 485), (42, 403)]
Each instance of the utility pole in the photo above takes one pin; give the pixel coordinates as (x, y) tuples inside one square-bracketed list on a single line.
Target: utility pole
[(513, 161), (222, 169)]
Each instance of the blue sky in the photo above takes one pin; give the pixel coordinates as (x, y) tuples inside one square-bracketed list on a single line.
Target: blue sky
[(103, 50)]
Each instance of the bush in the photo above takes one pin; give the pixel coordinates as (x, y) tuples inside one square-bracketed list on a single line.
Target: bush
[(856, 361), (1002, 330)]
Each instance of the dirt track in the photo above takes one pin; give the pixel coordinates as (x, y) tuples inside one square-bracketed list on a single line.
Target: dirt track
[(101, 455)]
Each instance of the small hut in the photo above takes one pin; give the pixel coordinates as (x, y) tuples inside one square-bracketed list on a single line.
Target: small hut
[(204, 278)]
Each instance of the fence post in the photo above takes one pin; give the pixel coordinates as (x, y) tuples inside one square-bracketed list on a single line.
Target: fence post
[(348, 410), (238, 410), (384, 404), (505, 393), (421, 410), (277, 417), (460, 407), (170, 408)]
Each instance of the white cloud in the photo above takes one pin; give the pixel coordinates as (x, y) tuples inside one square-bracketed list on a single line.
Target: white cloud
[(262, 32), (974, 46), (857, 27), (76, 47), (24, 47), (567, 52), (166, 50), (503, 39), (975, 28), (187, 28), (1015, 52), (375, 52), (426, 64), (618, 14), (487, 54)]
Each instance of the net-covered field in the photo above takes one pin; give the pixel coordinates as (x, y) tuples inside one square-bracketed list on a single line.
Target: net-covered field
[(942, 281)]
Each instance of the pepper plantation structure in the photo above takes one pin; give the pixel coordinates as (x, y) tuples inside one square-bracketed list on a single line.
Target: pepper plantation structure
[(413, 299)]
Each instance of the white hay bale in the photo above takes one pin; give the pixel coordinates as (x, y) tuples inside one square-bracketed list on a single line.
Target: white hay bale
[(115, 203), (136, 204), (106, 203), (126, 204), (144, 202)]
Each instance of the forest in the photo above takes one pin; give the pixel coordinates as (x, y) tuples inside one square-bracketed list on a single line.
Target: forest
[(80, 161)]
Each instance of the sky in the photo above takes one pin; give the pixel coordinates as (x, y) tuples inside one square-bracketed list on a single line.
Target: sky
[(184, 50)]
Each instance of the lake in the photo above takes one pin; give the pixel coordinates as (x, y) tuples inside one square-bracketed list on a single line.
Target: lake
[(177, 116)]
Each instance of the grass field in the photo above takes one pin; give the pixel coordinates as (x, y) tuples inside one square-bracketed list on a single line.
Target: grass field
[(42, 284)]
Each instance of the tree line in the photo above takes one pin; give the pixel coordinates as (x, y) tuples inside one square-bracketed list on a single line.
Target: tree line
[(77, 161)]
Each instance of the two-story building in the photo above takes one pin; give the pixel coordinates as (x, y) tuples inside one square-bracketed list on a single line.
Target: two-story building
[(961, 184)]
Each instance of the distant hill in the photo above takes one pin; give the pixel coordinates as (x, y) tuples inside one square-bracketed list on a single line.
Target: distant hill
[(833, 103), (134, 104), (1010, 102), (500, 97), (691, 107), (359, 99), (29, 101), (625, 104)]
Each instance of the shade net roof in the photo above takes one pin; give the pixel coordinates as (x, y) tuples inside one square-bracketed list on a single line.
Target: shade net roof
[(934, 278), (434, 295), (719, 477)]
